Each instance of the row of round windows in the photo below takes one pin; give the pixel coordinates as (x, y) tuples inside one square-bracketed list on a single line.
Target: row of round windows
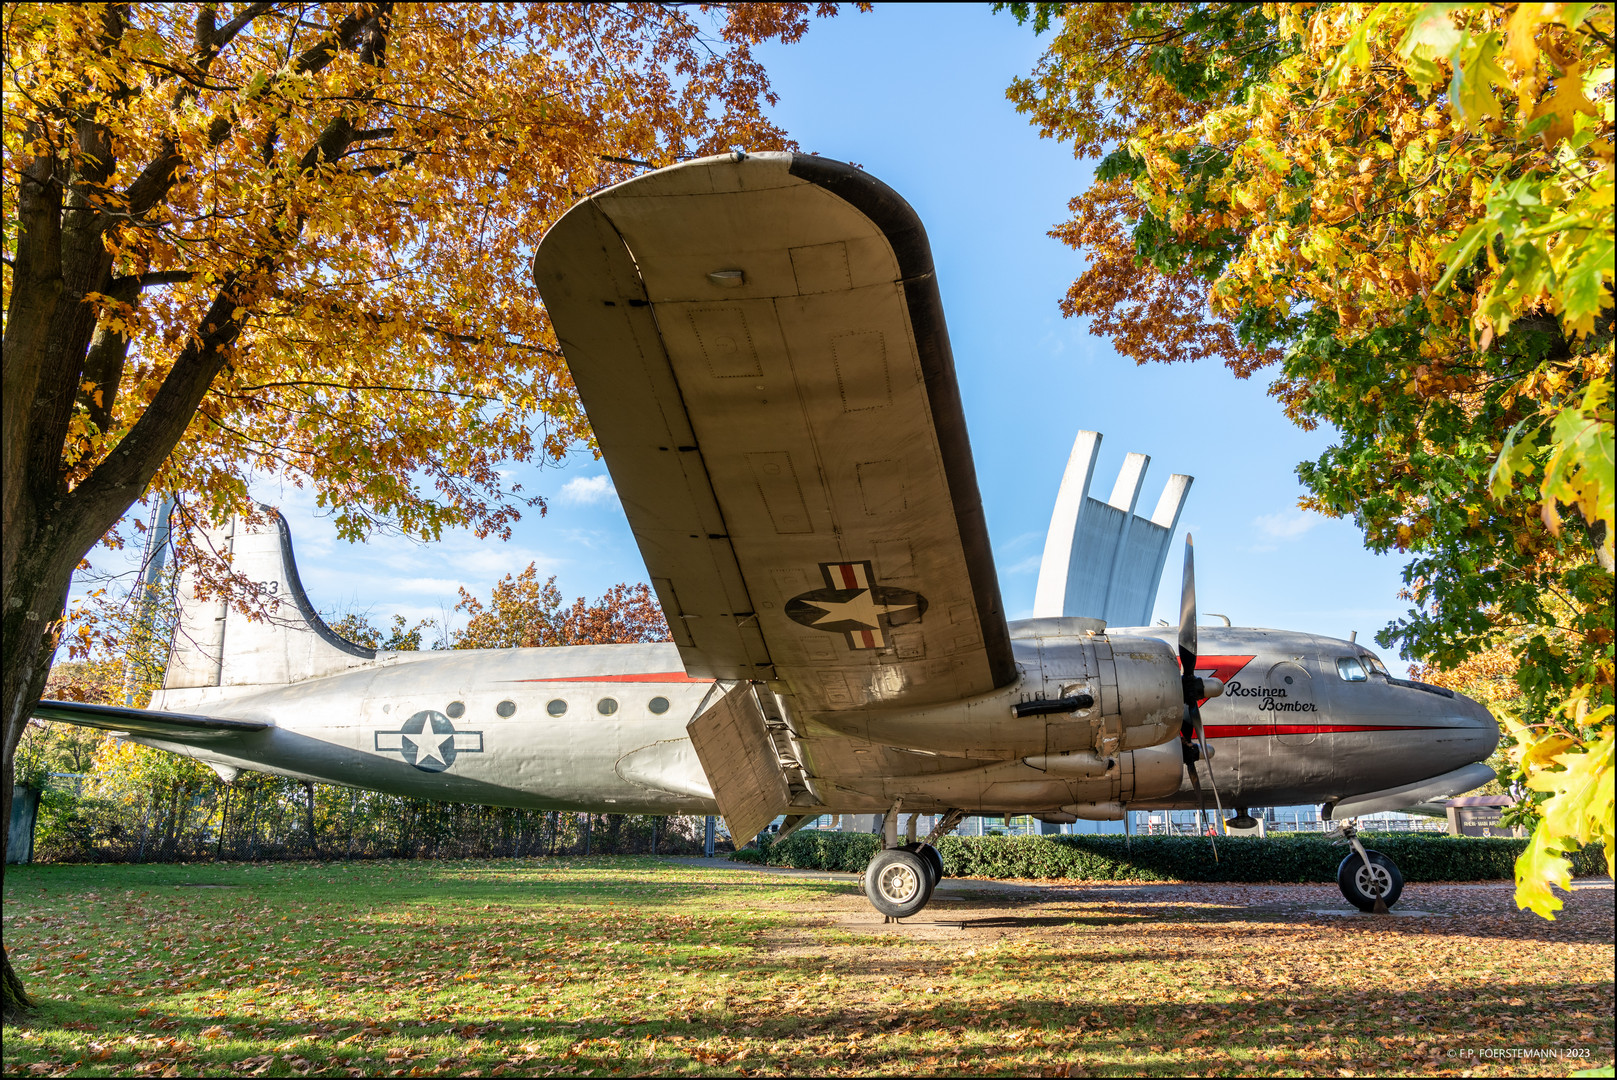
[(557, 707)]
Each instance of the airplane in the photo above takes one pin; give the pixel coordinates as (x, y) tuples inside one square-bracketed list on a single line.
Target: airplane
[(759, 343)]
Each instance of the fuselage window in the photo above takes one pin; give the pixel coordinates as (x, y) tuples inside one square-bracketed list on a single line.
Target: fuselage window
[(658, 705), (1375, 664), (606, 706), (506, 708), (456, 710), (1350, 669), (558, 707)]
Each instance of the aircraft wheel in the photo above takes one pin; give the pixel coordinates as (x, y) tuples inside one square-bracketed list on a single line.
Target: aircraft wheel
[(1362, 884), (898, 883), (934, 861)]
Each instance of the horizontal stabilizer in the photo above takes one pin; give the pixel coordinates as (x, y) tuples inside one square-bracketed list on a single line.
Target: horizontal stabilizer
[(153, 723)]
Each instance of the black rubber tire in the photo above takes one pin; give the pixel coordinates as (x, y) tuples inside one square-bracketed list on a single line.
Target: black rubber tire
[(1361, 886), (898, 883), (934, 861)]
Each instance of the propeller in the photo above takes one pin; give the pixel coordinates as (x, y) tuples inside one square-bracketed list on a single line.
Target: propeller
[(1193, 734)]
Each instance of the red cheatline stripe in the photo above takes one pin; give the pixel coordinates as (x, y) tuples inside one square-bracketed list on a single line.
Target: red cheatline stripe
[(865, 636), (648, 676), (848, 580), (1233, 731)]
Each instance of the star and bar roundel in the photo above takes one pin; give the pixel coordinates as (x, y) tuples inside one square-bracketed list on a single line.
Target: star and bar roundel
[(429, 741), (852, 604)]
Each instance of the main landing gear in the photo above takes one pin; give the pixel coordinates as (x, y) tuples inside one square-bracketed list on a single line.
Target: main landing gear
[(1370, 881), (899, 880)]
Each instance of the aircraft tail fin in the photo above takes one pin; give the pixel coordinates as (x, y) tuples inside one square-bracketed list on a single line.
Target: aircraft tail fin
[(216, 645)]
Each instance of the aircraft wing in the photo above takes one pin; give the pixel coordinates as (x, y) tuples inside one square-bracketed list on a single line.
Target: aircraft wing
[(760, 346), (154, 723)]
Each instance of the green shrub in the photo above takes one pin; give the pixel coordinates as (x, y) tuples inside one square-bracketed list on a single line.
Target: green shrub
[(1292, 857), (748, 855), (814, 850)]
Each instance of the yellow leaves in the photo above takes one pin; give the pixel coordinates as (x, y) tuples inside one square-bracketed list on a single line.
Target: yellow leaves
[(1579, 810), (1520, 30), (1562, 107), (1580, 467)]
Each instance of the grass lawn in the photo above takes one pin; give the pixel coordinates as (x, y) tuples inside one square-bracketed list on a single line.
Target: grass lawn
[(640, 966)]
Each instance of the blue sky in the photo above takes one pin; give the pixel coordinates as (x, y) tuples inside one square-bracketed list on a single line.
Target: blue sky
[(916, 95)]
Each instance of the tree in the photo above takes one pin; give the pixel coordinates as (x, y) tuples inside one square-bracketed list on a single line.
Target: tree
[(292, 239), (400, 636), (523, 613), (1406, 210)]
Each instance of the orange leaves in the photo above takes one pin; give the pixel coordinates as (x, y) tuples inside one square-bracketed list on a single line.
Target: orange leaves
[(522, 613), (457, 146)]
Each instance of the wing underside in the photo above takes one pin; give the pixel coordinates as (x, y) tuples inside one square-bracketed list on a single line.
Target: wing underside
[(760, 346)]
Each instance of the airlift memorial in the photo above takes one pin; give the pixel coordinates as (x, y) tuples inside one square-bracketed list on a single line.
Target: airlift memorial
[(760, 345)]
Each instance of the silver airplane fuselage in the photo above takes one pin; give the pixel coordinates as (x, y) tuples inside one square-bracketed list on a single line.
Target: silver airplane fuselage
[(603, 728)]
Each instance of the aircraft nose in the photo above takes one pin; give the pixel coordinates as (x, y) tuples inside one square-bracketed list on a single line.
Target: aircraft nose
[(1486, 738)]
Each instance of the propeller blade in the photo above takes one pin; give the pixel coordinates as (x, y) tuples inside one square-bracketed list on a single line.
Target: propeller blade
[(1192, 731), (1199, 730), (1212, 782), (1187, 610), (1201, 803)]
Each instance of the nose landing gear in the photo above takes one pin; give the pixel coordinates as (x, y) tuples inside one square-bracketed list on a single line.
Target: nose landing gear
[(1370, 881)]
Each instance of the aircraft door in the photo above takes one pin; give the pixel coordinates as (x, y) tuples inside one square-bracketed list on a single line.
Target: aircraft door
[(1291, 704)]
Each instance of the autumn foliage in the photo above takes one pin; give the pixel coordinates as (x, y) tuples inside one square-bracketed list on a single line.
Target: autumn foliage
[(292, 240), (521, 613), (1403, 212)]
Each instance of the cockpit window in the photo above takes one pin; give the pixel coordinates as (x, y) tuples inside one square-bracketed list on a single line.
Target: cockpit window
[(1350, 669), (1375, 664)]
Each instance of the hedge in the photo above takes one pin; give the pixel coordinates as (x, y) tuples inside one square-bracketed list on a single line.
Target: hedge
[(1295, 857)]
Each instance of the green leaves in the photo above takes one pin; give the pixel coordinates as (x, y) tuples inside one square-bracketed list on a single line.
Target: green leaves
[(1414, 208)]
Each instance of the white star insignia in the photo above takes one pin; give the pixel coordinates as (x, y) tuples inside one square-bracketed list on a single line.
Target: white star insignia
[(862, 609), (429, 745)]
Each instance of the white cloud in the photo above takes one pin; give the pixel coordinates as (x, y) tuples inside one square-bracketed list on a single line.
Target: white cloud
[(1028, 565), (588, 490), (1286, 525)]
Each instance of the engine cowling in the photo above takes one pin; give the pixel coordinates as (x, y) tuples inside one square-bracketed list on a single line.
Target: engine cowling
[(1132, 684)]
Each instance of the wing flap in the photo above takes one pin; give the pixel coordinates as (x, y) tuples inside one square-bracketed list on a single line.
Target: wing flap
[(155, 723), (738, 755)]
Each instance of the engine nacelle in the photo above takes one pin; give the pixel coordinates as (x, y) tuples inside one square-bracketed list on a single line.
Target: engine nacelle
[(1132, 684), (1154, 772)]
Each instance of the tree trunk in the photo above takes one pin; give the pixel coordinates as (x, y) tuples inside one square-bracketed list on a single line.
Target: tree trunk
[(308, 806), (224, 822)]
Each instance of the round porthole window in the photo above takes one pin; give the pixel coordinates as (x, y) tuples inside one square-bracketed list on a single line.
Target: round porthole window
[(456, 710), (506, 708), (658, 705), (606, 706), (557, 707)]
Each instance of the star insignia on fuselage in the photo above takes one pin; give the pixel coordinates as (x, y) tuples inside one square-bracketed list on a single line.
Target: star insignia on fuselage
[(853, 604), (429, 741)]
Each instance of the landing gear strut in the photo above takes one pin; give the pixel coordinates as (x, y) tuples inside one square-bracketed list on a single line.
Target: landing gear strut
[(1370, 881)]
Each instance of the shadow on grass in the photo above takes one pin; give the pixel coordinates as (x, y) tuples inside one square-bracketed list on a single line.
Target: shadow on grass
[(1377, 1025)]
